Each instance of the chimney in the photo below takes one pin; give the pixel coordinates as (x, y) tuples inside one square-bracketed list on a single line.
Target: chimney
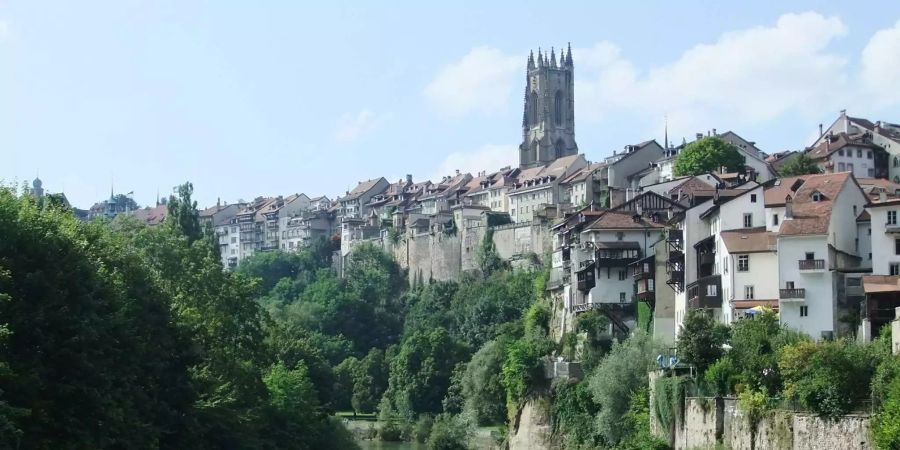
[(820, 130), (409, 178), (882, 196), (699, 136), (457, 171), (788, 207)]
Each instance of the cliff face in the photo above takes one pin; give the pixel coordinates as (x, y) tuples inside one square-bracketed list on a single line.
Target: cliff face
[(534, 427)]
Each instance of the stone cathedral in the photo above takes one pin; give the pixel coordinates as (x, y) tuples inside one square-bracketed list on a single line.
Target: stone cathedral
[(548, 122)]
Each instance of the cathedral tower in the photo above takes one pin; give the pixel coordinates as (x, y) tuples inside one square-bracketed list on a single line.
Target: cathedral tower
[(548, 122)]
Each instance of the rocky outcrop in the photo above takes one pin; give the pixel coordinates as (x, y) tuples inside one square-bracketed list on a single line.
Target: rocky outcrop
[(534, 428)]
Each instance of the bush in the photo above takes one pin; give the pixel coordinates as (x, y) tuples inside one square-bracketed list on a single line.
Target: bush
[(391, 431), (482, 385), (523, 370), (573, 415), (448, 433), (422, 429), (886, 424), (537, 319), (721, 377), (637, 422), (755, 343), (669, 404), (827, 378)]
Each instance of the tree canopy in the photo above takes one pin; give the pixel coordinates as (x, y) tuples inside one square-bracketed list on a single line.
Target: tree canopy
[(799, 165), (708, 154)]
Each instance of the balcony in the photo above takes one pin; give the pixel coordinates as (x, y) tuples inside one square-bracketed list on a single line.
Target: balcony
[(643, 269), (707, 258), (706, 292), (792, 295), (617, 253), (675, 235), (586, 277), (811, 265)]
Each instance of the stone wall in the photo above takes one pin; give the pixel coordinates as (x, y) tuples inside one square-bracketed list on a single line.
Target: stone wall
[(439, 256), (706, 423), (533, 429)]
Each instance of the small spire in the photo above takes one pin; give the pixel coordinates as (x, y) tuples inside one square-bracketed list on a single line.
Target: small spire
[(540, 58), (569, 56), (666, 138), (552, 57), (531, 59)]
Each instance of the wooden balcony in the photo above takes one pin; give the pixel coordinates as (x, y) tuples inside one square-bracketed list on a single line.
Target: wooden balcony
[(811, 265), (706, 292), (792, 295)]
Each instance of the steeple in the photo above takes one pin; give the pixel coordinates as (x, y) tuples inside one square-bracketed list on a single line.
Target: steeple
[(569, 56), (540, 58), (552, 58), (548, 118), (530, 60)]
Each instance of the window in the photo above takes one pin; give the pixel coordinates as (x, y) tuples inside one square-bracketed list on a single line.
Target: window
[(869, 231), (748, 292), (621, 275), (854, 210), (871, 172), (859, 153), (895, 269), (841, 167), (804, 311), (774, 219), (711, 290), (789, 284), (743, 263), (810, 256), (897, 246), (892, 218), (620, 235), (849, 167), (752, 198), (748, 220), (234, 229), (558, 108), (869, 154), (621, 297), (233, 251), (817, 196), (841, 152)]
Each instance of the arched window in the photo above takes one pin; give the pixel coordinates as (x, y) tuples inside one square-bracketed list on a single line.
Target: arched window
[(534, 150), (533, 109), (558, 108), (896, 162), (560, 148)]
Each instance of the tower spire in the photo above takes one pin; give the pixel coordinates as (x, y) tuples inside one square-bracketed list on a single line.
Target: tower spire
[(540, 61), (569, 56), (530, 60), (552, 57), (666, 136)]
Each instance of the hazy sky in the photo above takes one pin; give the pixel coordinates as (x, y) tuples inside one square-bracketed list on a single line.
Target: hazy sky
[(266, 98)]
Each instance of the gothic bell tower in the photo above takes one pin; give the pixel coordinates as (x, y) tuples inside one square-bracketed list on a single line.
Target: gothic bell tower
[(548, 121)]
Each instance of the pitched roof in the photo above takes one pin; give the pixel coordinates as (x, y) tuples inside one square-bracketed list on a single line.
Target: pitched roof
[(362, 188), (749, 240), (839, 141), (152, 216), (881, 283), (813, 217), (782, 187), (617, 220)]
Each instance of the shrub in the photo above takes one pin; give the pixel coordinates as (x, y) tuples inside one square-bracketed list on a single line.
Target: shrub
[(523, 370), (755, 343), (886, 424), (482, 387), (721, 376), (669, 404), (637, 422), (448, 433), (422, 429), (573, 415), (827, 378), (537, 319)]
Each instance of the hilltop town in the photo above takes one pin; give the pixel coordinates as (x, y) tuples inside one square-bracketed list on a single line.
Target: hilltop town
[(819, 248)]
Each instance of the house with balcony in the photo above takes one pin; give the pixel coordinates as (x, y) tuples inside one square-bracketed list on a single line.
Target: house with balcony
[(817, 250), (582, 187), (856, 153), (882, 300), (884, 135)]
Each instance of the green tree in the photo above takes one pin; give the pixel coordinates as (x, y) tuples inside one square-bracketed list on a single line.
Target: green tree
[(886, 424), (486, 256), (482, 384), (799, 165), (755, 344), (708, 155), (183, 215), (421, 372), (449, 433), (701, 339), (613, 383)]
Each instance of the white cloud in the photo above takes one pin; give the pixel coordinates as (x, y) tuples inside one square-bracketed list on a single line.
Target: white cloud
[(482, 81), (488, 157), (748, 76), (881, 66), (353, 126)]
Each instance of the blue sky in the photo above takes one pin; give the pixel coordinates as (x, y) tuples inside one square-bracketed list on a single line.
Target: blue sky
[(267, 98)]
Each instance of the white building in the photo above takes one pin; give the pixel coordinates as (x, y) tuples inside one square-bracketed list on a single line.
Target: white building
[(540, 186), (817, 249)]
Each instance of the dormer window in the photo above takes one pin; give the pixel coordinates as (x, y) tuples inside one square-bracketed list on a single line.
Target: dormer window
[(817, 196)]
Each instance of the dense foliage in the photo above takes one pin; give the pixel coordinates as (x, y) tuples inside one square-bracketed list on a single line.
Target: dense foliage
[(799, 165), (121, 336), (707, 155), (701, 339)]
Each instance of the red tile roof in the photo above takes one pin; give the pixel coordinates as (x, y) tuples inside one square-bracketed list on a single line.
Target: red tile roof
[(813, 217)]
